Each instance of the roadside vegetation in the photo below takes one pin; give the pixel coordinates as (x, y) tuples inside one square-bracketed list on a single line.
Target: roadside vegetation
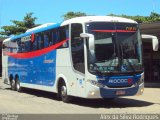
[(29, 20)]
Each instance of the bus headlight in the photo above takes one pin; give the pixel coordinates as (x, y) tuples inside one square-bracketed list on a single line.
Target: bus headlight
[(95, 83)]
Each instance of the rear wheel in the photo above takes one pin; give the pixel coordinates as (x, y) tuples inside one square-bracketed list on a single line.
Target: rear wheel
[(18, 87), (63, 93), (13, 85)]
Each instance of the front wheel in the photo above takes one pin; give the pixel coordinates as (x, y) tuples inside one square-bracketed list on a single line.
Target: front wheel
[(63, 93)]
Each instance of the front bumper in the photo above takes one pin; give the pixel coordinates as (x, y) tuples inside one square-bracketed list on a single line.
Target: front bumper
[(112, 92)]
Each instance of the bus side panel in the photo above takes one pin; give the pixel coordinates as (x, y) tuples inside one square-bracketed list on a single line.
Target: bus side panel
[(64, 70), (38, 71)]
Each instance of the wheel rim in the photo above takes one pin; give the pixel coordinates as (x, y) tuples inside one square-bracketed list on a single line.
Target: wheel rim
[(13, 84), (18, 86), (63, 91)]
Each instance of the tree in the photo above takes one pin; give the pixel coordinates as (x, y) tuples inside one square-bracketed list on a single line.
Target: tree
[(2, 38), (19, 26), (154, 17), (70, 15)]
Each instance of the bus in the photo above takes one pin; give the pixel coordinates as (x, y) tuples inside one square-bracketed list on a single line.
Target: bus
[(151, 38), (88, 57)]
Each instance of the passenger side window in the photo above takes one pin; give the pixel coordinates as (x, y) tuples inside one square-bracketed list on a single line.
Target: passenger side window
[(64, 35), (27, 45), (46, 39), (35, 43), (55, 35), (39, 41)]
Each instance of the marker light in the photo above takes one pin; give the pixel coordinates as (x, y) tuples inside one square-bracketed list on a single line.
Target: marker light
[(92, 93), (142, 90)]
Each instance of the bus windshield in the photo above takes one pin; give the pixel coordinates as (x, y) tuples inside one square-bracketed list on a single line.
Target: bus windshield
[(117, 48)]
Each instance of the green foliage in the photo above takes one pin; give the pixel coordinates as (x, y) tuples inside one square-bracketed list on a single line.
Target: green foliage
[(28, 21), (2, 38), (70, 15), (19, 26), (154, 17)]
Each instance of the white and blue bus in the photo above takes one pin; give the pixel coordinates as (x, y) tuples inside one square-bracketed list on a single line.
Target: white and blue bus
[(88, 57)]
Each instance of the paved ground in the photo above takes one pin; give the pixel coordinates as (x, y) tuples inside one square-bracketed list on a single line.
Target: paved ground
[(32, 101)]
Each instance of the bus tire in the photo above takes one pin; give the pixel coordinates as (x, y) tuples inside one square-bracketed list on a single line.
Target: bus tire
[(18, 86), (63, 93), (13, 85)]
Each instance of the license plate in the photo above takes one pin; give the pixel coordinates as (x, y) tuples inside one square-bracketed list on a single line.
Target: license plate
[(120, 92)]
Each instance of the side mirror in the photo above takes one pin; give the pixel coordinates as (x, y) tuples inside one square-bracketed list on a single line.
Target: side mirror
[(154, 41), (91, 44), (155, 44), (91, 40)]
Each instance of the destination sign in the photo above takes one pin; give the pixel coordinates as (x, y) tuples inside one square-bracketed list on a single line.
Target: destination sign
[(131, 28)]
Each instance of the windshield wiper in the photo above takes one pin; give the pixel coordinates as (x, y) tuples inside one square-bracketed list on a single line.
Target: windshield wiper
[(97, 69), (131, 65), (100, 61), (123, 52)]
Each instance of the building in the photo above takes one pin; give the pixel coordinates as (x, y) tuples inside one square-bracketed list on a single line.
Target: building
[(151, 58)]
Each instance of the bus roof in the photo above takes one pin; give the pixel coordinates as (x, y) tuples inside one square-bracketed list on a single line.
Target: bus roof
[(40, 26), (84, 19), (36, 31)]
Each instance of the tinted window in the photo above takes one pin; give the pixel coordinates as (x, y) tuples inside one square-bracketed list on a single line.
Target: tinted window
[(64, 35), (54, 36), (35, 43), (77, 48), (39, 41)]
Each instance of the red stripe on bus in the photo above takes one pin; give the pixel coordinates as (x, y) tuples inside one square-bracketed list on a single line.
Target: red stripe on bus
[(124, 31), (37, 52)]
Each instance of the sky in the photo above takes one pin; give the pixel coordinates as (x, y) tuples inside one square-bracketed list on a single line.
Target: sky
[(52, 10)]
